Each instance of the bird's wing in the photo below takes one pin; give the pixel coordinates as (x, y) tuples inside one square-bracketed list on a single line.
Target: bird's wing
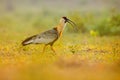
[(29, 40), (46, 37)]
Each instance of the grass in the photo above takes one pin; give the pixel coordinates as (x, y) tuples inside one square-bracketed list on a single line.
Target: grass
[(83, 57), (80, 56)]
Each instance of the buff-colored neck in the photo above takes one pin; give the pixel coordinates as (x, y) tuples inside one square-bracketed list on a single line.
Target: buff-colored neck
[(60, 27)]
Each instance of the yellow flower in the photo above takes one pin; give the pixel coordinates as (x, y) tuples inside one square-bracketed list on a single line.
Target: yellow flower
[(93, 33)]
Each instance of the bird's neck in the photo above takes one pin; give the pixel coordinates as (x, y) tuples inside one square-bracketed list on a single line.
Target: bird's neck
[(60, 28)]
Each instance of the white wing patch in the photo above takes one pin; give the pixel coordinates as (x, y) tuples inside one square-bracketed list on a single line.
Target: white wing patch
[(30, 41), (43, 40)]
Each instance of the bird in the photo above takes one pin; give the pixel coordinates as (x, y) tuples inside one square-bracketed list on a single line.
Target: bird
[(49, 37)]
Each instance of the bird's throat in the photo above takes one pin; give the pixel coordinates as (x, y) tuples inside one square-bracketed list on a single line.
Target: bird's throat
[(60, 28)]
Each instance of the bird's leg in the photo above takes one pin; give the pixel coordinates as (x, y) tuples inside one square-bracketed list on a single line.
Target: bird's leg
[(44, 48), (53, 49)]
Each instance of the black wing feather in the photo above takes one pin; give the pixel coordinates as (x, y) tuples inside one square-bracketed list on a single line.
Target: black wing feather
[(28, 39)]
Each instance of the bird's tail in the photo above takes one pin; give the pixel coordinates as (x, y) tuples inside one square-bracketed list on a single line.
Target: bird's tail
[(28, 41)]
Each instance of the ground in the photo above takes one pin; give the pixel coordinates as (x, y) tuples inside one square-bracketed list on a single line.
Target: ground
[(79, 56)]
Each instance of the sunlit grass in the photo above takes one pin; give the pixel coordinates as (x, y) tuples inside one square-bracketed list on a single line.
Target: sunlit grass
[(94, 57), (85, 56)]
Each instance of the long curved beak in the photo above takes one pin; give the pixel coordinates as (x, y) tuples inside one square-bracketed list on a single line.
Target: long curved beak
[(72, 23)]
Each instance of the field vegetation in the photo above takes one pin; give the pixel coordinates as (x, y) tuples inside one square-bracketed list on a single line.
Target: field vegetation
[(90, 51)]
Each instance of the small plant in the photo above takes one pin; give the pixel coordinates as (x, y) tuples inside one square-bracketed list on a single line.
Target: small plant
[(73, 48)]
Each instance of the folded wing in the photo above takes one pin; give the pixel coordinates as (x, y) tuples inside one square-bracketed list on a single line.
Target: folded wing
[(45, 38)]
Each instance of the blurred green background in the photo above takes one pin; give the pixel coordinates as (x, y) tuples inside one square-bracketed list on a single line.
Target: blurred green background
[(95, 17)]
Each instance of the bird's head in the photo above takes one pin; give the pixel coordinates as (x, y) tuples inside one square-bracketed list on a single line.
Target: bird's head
[(65, 20)]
